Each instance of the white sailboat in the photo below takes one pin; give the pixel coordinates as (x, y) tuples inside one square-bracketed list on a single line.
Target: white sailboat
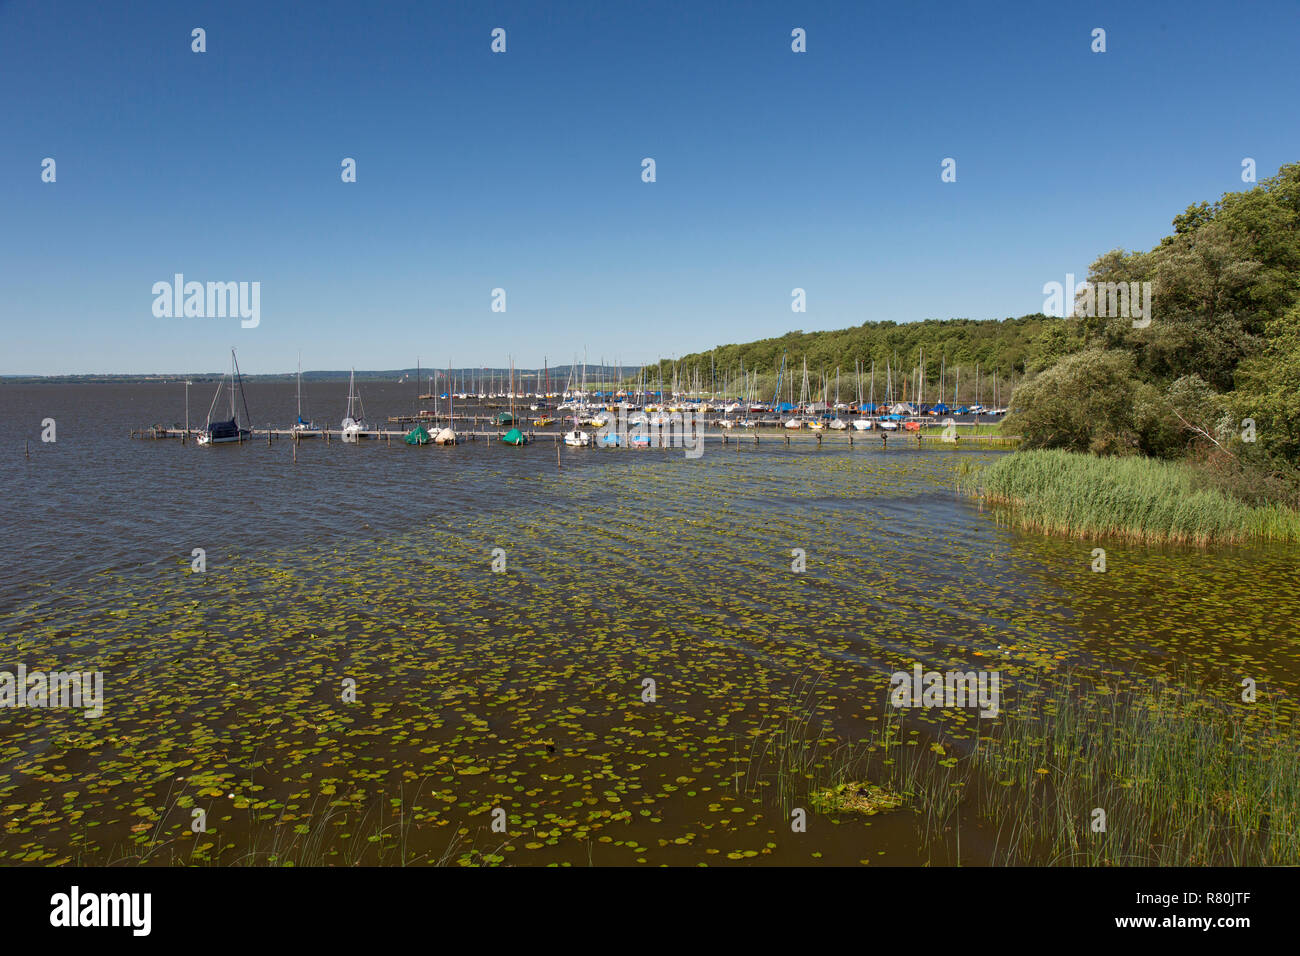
[(353, 427), (838, 423), (447, 435), (863, 423), (577, 438)]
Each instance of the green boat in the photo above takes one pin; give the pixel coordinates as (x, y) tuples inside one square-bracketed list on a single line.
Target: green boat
[(418, 436), (515, 437), (503, 418)]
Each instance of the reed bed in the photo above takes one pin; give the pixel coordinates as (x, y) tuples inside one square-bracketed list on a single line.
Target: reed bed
[(1182, 780), (1133, 499)]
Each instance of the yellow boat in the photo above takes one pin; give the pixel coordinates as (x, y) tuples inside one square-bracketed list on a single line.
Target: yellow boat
[(543, 421)]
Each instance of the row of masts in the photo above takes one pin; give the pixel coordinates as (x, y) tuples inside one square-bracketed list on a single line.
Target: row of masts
[(816, 390), (829, 388), (740, 386)]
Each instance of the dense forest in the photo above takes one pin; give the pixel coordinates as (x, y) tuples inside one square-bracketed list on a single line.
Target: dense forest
[(953, 351)]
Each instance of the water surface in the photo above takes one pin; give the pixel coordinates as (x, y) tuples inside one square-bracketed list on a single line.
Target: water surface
[(523, 690)]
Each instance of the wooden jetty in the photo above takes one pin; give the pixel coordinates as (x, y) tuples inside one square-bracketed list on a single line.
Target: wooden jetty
[(662, 438)]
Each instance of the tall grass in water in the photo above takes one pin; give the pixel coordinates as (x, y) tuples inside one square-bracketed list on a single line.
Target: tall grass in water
[(1138, 499), (1182, 781)]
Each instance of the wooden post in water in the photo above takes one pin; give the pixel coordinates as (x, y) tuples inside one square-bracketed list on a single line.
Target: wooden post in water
[(27, 448)]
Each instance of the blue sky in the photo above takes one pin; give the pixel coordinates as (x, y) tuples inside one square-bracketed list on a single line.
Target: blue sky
[(522, 170)]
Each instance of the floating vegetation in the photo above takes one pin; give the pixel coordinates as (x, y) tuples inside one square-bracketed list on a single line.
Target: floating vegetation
[(517, 699), (855, 797)]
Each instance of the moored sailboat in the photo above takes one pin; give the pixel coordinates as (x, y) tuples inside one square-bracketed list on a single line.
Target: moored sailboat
[(302, 428), (231, 431), (353, 427)]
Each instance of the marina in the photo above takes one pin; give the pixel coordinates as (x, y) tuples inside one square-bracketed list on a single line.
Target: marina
[(932, 433), (630, 414)]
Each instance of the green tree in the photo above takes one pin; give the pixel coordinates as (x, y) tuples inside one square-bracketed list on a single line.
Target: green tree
[(1269, 394), (1085, 402)]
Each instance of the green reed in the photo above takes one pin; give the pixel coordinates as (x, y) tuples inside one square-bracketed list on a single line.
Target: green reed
[(1182, 780), (1138, 499)]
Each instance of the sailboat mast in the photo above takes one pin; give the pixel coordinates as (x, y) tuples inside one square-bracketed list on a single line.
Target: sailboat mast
[(248, 419)]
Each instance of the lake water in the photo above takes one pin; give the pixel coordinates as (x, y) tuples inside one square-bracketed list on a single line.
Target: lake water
[(367, 570)]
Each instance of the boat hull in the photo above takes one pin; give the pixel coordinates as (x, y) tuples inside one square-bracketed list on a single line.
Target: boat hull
[(227, 440)]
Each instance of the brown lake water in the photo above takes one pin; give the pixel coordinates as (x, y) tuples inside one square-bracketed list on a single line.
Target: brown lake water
[(370, 567)]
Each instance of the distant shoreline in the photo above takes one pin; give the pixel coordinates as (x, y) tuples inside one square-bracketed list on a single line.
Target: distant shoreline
[(594, 373)]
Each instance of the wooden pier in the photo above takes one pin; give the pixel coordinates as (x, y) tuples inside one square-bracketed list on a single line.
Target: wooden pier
[(660, 438)]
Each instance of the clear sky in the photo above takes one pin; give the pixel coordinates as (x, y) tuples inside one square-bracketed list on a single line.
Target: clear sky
[(522, 170)]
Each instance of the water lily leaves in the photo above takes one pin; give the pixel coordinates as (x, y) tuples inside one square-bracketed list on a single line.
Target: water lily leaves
[(522, 689)]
